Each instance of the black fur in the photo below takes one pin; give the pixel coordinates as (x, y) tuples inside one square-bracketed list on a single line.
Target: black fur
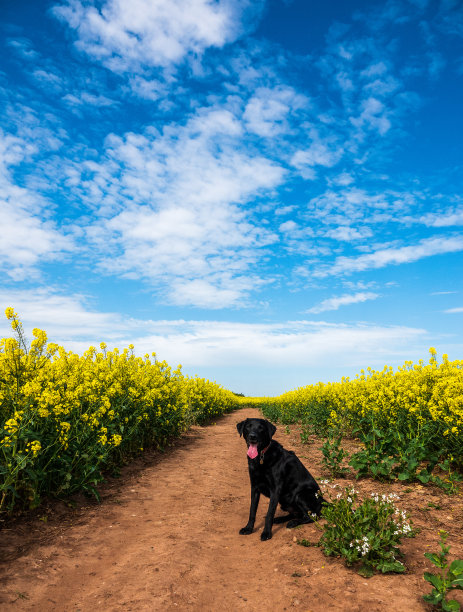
[(278, 474)]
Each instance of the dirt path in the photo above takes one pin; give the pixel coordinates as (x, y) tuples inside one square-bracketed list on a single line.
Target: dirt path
[(166, 538)]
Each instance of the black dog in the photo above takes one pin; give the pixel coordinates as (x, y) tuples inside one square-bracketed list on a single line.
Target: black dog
[(279, 475)]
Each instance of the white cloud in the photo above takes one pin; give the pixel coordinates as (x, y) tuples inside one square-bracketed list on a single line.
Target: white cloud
[(48, 79), (66, 318), (375, 69), (145, 33), (212, 343), (324, 152), (267, 111), (444, 219), (318, 154), (350, 204), (208, 343), (201, 255), (443, 292), (288, 226), (147, 88), (219, 291), (28, 237), (373, 115), (393, 256), (171, 208), (454, 310), (343, 180), (348, 234), (254, 358), (284, 210), (26, 241), (24, 48), (85, 98), (382, 87), (298, 239), (334, 303)]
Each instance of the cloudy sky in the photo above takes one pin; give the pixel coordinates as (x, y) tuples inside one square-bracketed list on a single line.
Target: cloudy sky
[(266, 191)]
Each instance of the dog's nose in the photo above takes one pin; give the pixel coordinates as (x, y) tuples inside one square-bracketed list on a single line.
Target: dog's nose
[(252, 437)]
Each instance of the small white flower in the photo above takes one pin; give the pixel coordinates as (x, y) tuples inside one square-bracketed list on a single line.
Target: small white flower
[(363, 546)]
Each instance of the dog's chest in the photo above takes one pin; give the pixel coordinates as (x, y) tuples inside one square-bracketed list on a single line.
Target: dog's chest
[(263, 479)]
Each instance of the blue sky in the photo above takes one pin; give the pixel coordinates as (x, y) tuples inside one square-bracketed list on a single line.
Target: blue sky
[(268, 192)]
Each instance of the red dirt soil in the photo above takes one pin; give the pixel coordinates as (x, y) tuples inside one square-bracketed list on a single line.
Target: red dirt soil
[(165, 537)]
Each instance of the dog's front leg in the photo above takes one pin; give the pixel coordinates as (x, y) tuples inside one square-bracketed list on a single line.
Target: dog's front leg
[(272, 506), (255, 496)]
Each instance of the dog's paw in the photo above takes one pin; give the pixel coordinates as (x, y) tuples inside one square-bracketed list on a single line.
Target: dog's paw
[(246, 531), (265, 535)]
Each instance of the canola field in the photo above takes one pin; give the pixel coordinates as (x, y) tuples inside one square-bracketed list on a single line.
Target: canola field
[(66, 418), (409, 422)]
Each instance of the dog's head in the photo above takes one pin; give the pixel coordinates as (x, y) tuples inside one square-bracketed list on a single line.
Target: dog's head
[(257, 433)]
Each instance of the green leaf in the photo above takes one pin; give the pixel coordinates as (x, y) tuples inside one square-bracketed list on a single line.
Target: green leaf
[(433, 598), (434, 558), (451, 606), (435, 580), (94, 491), (366, 571), (456, 567), (403, 476), (457, 583), (392, 566)]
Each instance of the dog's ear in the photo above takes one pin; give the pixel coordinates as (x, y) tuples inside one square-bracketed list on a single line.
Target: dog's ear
[(271, 428), (240, 427)]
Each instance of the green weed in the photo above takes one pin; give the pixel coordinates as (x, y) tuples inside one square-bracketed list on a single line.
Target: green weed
[(449, 578)]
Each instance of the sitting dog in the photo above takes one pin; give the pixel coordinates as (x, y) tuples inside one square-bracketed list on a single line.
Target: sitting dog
[(278, 474)]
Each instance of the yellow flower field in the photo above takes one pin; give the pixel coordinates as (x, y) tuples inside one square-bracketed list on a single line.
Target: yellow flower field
[(64, 418), (403, 418)]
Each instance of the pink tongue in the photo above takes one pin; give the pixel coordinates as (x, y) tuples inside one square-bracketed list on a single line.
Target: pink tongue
[(252, 451)]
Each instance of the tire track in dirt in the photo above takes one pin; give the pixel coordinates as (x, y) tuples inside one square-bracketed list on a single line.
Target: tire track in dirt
[(166, 538)]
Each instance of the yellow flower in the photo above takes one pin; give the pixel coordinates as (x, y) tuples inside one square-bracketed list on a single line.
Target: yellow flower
[(11, 426), (6, 442), (116, 439), (34, 447), (10, 313)]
